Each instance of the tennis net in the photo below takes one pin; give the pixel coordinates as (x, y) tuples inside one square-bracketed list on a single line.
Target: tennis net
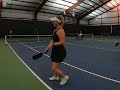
[(26, 38), (105, 34), (77, 36), (38, 38)]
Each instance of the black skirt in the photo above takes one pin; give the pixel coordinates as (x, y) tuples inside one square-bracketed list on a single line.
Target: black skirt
[(58, 54)]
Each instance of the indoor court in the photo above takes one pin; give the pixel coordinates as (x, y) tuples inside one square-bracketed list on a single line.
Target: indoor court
[(92, 61)]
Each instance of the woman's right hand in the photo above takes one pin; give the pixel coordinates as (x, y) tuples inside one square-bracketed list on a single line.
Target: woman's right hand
[(48, 47), (46, 50)]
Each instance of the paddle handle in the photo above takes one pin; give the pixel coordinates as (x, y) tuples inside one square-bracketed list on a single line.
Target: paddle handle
[(117, 43), (45, 51)]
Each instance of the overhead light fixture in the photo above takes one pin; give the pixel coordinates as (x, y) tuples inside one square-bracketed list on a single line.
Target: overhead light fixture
[(73, 14), (64, 13), (4, 4)]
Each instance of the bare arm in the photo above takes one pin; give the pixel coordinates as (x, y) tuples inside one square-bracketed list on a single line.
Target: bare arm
[(61, 35), (49, 46)]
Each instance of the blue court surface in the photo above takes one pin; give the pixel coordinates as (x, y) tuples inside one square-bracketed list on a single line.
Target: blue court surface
[(90, 64)]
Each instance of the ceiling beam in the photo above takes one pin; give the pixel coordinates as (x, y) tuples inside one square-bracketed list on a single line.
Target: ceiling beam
[(0, 8), (39, 8), (71, 8), (91, 10), (97, 4)]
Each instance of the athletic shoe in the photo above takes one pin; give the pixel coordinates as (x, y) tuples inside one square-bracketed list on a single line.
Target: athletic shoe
[(54, 78), (64, 80)]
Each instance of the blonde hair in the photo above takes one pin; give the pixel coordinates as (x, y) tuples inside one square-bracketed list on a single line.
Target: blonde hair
[(62, 20)]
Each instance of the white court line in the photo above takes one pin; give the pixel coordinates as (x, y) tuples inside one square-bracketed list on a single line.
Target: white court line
[(35, 41), (39, 46), (80, 69), (13, 43), (26, 42), (30, 42), (31, 70), (92, 47)]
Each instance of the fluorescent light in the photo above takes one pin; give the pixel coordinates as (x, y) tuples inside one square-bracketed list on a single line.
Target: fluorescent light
[(90, 3), (91, 14), (118, 1), (72, 1), (64, 3), (114, 3), (57, 5), (94, 13), (110, 5)]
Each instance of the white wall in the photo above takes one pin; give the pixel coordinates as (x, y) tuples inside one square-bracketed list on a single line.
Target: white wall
[(16, 14), (108, 18), (95, 21), (83, 22), (109, 14), (44, 16)]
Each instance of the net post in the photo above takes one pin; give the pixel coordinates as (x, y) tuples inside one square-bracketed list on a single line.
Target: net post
[(38, 38), (111, 29), (6, 40), (92, 35)]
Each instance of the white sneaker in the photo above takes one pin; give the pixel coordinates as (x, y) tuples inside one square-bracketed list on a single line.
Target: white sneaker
[(64, 80), (54, 78)]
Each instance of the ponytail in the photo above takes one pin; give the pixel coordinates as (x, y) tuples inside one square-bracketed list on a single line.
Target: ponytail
[(62, 20)]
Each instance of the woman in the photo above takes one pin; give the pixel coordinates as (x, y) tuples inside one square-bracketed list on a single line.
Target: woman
[(58, 51), (36, 32), (80, 35)]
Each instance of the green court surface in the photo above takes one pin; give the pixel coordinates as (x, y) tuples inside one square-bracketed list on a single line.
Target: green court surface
[(13, 73)]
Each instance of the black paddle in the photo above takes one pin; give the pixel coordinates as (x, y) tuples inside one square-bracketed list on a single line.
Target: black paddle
[(35, 57), (117, 44)]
